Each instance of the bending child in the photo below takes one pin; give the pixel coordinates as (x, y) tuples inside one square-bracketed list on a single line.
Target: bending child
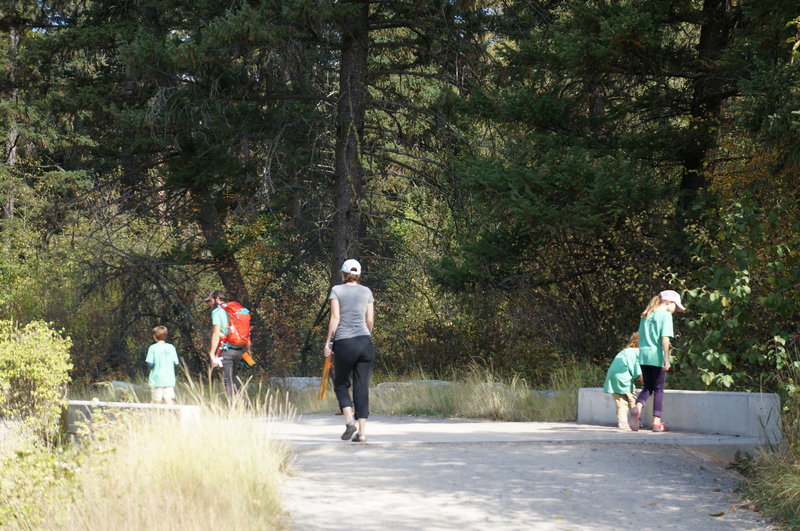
[(620, 379)]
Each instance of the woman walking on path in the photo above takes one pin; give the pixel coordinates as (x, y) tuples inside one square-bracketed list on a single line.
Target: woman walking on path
[(349, 340), (655, 331)]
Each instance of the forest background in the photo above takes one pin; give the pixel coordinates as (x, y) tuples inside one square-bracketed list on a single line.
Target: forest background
[(517, 178)]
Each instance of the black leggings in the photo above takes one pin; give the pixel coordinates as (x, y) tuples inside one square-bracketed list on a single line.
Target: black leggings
[(353, 356)]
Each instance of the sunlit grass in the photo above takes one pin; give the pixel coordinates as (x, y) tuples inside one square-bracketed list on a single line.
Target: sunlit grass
[(474, 393), (214, 472), (133, 470), (11, 435), (773, 477), (773, 484)]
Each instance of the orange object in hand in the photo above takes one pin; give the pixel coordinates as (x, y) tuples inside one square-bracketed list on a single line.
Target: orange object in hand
[(248, 359), (323, 384)]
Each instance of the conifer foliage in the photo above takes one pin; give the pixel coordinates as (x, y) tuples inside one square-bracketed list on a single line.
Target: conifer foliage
[(517, 176)]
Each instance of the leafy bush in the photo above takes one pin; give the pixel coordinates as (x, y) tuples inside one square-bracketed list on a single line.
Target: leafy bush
[(36, 485), (34, 372), (742, 302)]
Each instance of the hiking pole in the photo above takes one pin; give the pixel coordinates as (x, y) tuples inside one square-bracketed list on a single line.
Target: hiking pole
[(326, 370)]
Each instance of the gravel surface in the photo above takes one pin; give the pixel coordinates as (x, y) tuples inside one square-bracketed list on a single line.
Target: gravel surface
[(442, 474)]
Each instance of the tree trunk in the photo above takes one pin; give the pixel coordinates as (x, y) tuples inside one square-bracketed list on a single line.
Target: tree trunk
[(709, 92), (10, 159), (349, 133), (227, 268)]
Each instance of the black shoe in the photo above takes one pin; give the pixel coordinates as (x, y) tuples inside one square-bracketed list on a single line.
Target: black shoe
[(349, 431)]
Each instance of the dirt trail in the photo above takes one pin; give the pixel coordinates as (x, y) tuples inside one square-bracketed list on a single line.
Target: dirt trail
[(422, 473)]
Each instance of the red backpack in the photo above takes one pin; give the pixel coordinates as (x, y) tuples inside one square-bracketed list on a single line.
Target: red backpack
[(238, 324)]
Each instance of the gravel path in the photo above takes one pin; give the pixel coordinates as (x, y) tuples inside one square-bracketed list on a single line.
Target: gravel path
[(442, 474)]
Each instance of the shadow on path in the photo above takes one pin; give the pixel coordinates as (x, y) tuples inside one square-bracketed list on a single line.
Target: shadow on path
[(443, 474)]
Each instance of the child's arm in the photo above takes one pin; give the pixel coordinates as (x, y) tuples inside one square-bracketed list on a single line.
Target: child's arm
[(150, 359)]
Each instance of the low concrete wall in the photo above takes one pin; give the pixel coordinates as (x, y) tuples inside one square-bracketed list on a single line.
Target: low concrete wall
[(752, 415), (80, 411)]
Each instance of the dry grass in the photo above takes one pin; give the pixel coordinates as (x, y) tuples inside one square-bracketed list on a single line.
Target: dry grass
[(476, 393), (11, 436), (217, 471), (133, 471), (773, 478)]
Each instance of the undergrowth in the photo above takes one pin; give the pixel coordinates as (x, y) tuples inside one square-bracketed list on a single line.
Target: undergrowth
[(772, 478), (475, 392)]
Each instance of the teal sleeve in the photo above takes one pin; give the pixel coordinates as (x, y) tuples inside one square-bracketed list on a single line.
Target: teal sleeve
[(665, 326), (150, 356), (219, 317)]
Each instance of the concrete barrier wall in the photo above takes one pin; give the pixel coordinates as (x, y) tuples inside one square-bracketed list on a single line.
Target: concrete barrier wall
[(80, 411), (754, 415)]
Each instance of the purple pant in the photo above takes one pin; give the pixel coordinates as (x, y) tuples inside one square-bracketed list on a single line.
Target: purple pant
[(653, 383)]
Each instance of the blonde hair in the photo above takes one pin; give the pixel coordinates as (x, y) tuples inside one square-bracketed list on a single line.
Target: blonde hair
[(160, 333), (633, 341), (652, 305)]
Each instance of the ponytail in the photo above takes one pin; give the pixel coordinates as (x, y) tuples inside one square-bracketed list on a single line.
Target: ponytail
[(652, 305)]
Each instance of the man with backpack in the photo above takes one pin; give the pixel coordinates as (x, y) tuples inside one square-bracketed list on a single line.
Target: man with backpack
[(230, 337)]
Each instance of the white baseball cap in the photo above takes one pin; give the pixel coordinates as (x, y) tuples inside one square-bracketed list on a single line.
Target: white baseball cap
[(351, 266), (672, 296)]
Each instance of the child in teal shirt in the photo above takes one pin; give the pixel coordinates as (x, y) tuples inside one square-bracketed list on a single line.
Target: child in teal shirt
[(619, 379), (162, 359), (655, 332)]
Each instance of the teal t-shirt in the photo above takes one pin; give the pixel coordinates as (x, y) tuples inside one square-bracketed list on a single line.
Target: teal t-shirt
[(220, 317), (164, 359), (623, 370), (657, 325)]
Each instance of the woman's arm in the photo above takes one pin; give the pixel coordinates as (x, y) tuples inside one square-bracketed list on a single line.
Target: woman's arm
[(333, 324), (369, 317)]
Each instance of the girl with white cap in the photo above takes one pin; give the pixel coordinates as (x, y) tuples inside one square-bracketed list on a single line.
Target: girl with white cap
[(655, 331), (349, 340)]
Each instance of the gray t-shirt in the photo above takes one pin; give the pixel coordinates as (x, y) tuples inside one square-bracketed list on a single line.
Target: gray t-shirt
[(353, 301)]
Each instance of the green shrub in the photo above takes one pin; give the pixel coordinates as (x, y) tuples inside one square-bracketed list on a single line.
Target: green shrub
[(742, 303), (34, 372), (36, 485)]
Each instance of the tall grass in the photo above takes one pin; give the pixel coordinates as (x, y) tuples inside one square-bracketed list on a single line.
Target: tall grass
[(132, 471), (217, 471), (772, 479), (474, 393)]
